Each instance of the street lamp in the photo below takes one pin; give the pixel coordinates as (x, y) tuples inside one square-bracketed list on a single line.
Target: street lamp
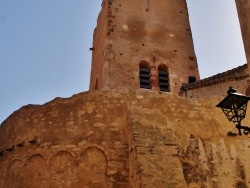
[(234, 107)]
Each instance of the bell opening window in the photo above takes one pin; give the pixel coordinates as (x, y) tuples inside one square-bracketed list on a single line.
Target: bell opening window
[(144, 73), (163, 78)]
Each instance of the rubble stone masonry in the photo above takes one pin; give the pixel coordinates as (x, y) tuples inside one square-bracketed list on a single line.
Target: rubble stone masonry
[(119, 136), (139, 138)]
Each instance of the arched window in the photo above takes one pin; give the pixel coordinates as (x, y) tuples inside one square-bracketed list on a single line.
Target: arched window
[(144, 74), (163, 78)]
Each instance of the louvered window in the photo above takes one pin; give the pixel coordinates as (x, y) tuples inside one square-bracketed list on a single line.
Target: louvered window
[(163, 80), (145, 78)]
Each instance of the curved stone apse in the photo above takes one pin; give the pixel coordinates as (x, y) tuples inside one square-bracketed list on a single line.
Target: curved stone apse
[(13, 174), (92, 169), (62, 166), (36, 172), (33, 173)]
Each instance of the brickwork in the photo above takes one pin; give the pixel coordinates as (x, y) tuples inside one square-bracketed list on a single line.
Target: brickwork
[(129, 32)]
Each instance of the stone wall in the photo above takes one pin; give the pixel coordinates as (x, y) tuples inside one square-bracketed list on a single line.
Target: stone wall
[(154, 32), (100, 49), (188, 143), (219, 89), (123, 139), (218, 85), (73, 142)]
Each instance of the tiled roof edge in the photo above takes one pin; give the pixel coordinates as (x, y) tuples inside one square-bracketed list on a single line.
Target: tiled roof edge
[(216, 79)]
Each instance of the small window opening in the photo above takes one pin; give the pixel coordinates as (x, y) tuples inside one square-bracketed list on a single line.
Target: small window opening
[(32, 141), (144, 76), (191, 79), (20, 144), (163, 79), (10, 149), (96, 84)]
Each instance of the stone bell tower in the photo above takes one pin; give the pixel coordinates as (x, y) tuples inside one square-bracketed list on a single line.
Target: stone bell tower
[(143, 44)]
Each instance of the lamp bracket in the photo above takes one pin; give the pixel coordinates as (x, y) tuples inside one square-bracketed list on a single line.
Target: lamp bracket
[(246, 130)]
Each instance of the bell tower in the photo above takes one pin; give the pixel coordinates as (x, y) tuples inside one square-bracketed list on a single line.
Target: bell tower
[(143, 44)]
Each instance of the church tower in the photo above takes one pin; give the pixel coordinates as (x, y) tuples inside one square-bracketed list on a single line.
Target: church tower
[(143, 44)]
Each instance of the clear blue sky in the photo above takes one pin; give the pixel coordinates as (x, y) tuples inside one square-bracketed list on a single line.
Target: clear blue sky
[(44, 46)]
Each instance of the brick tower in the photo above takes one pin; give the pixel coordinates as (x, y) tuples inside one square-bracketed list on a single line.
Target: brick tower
[(143, 44)]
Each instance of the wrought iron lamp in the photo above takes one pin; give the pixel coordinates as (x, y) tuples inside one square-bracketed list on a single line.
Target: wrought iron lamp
[(234, 107)]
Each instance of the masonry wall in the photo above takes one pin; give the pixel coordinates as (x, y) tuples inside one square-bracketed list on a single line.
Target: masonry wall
[(100, 49), (154, 32), (243, 7), (185, 143), (219, 89), (123, 139), (219, 84), (73, 142)]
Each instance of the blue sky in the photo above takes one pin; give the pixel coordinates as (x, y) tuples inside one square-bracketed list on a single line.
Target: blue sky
[(44, 46)]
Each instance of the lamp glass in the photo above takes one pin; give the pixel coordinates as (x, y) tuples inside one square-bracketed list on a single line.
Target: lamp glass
[(234, 107)]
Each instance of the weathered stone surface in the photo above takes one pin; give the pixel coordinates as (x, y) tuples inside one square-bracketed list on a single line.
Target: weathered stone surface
[(217, 85), (70, 148), (155, 140), (156, 32), (129, 138)]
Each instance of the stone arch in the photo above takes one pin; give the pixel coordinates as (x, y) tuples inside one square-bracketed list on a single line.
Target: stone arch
[(163, 67), (35, 172), (37, 155), (101, 149), (62, 166), (92, 168), (145, 64), (13, 174)]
